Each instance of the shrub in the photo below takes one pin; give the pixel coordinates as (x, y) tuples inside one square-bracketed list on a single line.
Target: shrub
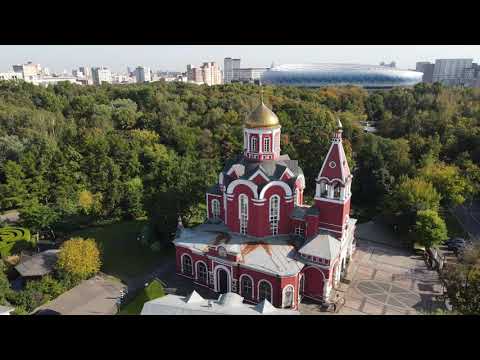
[(14, 239), (79, 257), (156, 246)]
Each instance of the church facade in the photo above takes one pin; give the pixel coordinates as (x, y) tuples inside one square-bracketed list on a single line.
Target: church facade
[(260, 240)]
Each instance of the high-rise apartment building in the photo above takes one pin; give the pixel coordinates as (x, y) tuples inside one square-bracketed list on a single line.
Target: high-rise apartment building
[(101, 74), (209, 73), (427, 69), (143, 74), (30, 72), (451, 71), (230, 70), (212, 75)]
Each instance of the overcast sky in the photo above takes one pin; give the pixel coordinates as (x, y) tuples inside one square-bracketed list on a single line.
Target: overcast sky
[(175, 57)]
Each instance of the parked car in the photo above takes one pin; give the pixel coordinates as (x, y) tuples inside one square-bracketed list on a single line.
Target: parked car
[(455, 243)]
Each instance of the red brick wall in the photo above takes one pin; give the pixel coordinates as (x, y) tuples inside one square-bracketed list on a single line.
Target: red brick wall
[(278, 283), (258, 216), (285, 210), (314, 281), (332, 215), (312, 225), (259, 179), (233, 220)]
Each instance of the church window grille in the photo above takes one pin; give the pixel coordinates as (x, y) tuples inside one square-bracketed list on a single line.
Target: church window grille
[(202, 272), (187, 265), (266, 144), (253, 142), (299, 231), (243, 203), (264, 291), (215, 209), (274, 213), (247, 287)]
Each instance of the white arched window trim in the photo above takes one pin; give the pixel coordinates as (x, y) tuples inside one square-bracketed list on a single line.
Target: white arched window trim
[(243, 213), (241, 285), (271, 289), (267, 146), (215, 277), (253, 144), (283, 185), (197, 272), (184, 256), (215, 209), (274, 213), (284, 292)]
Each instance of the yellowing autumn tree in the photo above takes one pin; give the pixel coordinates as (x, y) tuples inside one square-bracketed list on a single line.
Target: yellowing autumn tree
[(79, 257), (90, 203)]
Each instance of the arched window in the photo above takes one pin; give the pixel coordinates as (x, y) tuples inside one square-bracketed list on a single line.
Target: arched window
[(264, 291), (296, 197), (247, 287), (215, 209), (187, 265), (243, 213), (266, 144), (336, 191), (323, 189), (253, 144), (274, 213), (288, 296), (202, 273)]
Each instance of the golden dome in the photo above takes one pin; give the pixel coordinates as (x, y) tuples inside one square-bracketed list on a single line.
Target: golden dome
[(262, 117)]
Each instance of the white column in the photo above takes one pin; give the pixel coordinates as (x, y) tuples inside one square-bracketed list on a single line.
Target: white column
[(330, 190), (260, 144), (326, 289)]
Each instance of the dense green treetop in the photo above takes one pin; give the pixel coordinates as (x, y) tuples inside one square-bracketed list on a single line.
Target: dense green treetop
[(157, 147)]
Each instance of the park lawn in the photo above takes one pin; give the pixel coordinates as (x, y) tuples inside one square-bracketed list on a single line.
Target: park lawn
[(123, 256), (153, 291)]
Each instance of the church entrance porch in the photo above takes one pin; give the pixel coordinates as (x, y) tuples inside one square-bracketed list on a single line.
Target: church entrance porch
[(223, 283), (313, 283)]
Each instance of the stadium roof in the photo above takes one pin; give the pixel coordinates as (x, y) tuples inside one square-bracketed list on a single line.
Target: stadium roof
[(331, 74)]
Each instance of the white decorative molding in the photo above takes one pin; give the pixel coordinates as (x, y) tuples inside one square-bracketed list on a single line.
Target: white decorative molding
[(259, 172), (247, 183), (283, 185)]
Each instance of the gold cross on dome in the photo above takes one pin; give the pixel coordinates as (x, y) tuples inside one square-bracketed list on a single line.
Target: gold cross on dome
[(261, 93)]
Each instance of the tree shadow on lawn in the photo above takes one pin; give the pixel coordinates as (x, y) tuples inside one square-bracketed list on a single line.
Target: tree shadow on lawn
[(123, 255)]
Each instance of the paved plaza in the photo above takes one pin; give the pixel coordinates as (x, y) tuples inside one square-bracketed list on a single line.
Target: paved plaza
[(385, 281), (96, 296)]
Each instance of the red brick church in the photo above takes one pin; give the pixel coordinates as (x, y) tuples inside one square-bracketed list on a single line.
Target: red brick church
[(260, 240)]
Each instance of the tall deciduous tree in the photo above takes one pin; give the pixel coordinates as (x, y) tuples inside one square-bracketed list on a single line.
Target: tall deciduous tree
[(411, 196), (447, 180), (79, 257), (430, 228)]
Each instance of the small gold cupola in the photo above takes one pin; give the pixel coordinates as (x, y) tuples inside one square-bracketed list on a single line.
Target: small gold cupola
[(262, 117)]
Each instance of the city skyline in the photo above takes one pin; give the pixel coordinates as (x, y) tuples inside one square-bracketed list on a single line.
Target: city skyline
[(175, 57)]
